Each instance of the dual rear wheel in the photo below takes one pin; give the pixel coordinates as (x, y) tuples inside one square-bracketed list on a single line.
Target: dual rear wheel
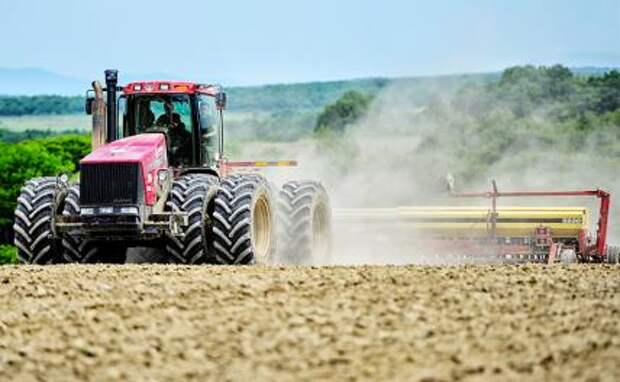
[(234, 221), (231, 220)]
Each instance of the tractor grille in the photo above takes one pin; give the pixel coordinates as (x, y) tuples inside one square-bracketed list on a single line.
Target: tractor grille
[(110, 184)]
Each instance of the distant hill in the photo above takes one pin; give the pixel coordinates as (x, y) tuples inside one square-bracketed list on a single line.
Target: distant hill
[(278, 99), (281, 100), (33, 81), (313, 96)]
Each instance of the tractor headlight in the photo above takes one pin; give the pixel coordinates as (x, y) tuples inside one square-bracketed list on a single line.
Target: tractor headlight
[(129, 210), (87, 211), (106, 210)]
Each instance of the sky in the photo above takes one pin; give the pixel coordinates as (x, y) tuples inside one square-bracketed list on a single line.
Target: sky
[(278, 41)]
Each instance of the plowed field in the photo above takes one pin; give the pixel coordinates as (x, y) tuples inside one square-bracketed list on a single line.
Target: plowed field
[(160, 322)]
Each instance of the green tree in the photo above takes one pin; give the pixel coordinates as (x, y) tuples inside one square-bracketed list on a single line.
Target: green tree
[(345, 111), (69, 148), (608, 89), (30, 159), (20, 162)]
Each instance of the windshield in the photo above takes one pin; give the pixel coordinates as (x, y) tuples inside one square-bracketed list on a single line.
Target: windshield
[(170, 114), (162, 111)]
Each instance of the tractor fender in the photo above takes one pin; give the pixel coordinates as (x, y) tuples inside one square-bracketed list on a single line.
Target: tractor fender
[(198, 170)]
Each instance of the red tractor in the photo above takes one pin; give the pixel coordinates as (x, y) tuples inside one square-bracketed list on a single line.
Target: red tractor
[(158, 179)]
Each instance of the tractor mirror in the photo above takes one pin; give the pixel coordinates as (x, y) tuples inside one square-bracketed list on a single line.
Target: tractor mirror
[(220, 100), (88, 106)]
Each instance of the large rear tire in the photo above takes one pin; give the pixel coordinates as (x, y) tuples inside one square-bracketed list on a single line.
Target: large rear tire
[(78, 250), (243, 218), (191, 194), (304, 216), (34, 218)]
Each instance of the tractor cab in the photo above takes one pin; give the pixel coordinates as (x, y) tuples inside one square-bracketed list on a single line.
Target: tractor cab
[(185, 113)]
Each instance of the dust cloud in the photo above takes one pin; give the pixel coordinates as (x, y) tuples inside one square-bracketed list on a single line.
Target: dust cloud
[(387, 160)]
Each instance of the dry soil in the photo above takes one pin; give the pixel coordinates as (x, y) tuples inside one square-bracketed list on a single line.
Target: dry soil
[(159, 322)]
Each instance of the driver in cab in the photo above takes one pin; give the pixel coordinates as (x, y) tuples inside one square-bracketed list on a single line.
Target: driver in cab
[(180, 138)]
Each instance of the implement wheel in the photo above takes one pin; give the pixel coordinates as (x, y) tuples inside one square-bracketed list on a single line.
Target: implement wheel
[(243, 221), (613, 254), (34, 217), (304, 216)]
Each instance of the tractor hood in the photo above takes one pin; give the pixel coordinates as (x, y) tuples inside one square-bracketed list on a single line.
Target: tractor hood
[(144, 149)]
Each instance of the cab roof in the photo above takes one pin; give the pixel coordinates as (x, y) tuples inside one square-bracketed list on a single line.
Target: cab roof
[(169, 87)]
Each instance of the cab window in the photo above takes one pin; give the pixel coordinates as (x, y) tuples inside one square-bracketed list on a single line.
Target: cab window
[(207, 114), (153, 112)]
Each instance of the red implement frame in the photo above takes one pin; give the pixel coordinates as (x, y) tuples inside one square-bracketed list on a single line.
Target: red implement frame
[(598, 251)]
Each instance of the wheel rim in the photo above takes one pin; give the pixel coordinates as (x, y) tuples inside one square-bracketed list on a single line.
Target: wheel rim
[(261, 229), (320, 234)]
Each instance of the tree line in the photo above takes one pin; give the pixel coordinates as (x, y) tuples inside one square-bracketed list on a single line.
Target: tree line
[(532, 115), (554, 92), (40, 105), (11, 136), (278, 98)]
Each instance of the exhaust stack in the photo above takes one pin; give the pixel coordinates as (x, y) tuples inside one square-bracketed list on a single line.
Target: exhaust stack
[(111, 80)]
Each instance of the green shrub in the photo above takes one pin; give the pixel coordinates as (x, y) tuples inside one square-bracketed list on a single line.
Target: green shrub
[(69, 148), (30, 159), (8, 254)]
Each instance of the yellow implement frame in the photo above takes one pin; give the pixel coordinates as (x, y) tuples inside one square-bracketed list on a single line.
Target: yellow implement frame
[(474, 221)]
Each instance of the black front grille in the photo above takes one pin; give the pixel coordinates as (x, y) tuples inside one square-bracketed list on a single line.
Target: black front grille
[(110, 184)]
